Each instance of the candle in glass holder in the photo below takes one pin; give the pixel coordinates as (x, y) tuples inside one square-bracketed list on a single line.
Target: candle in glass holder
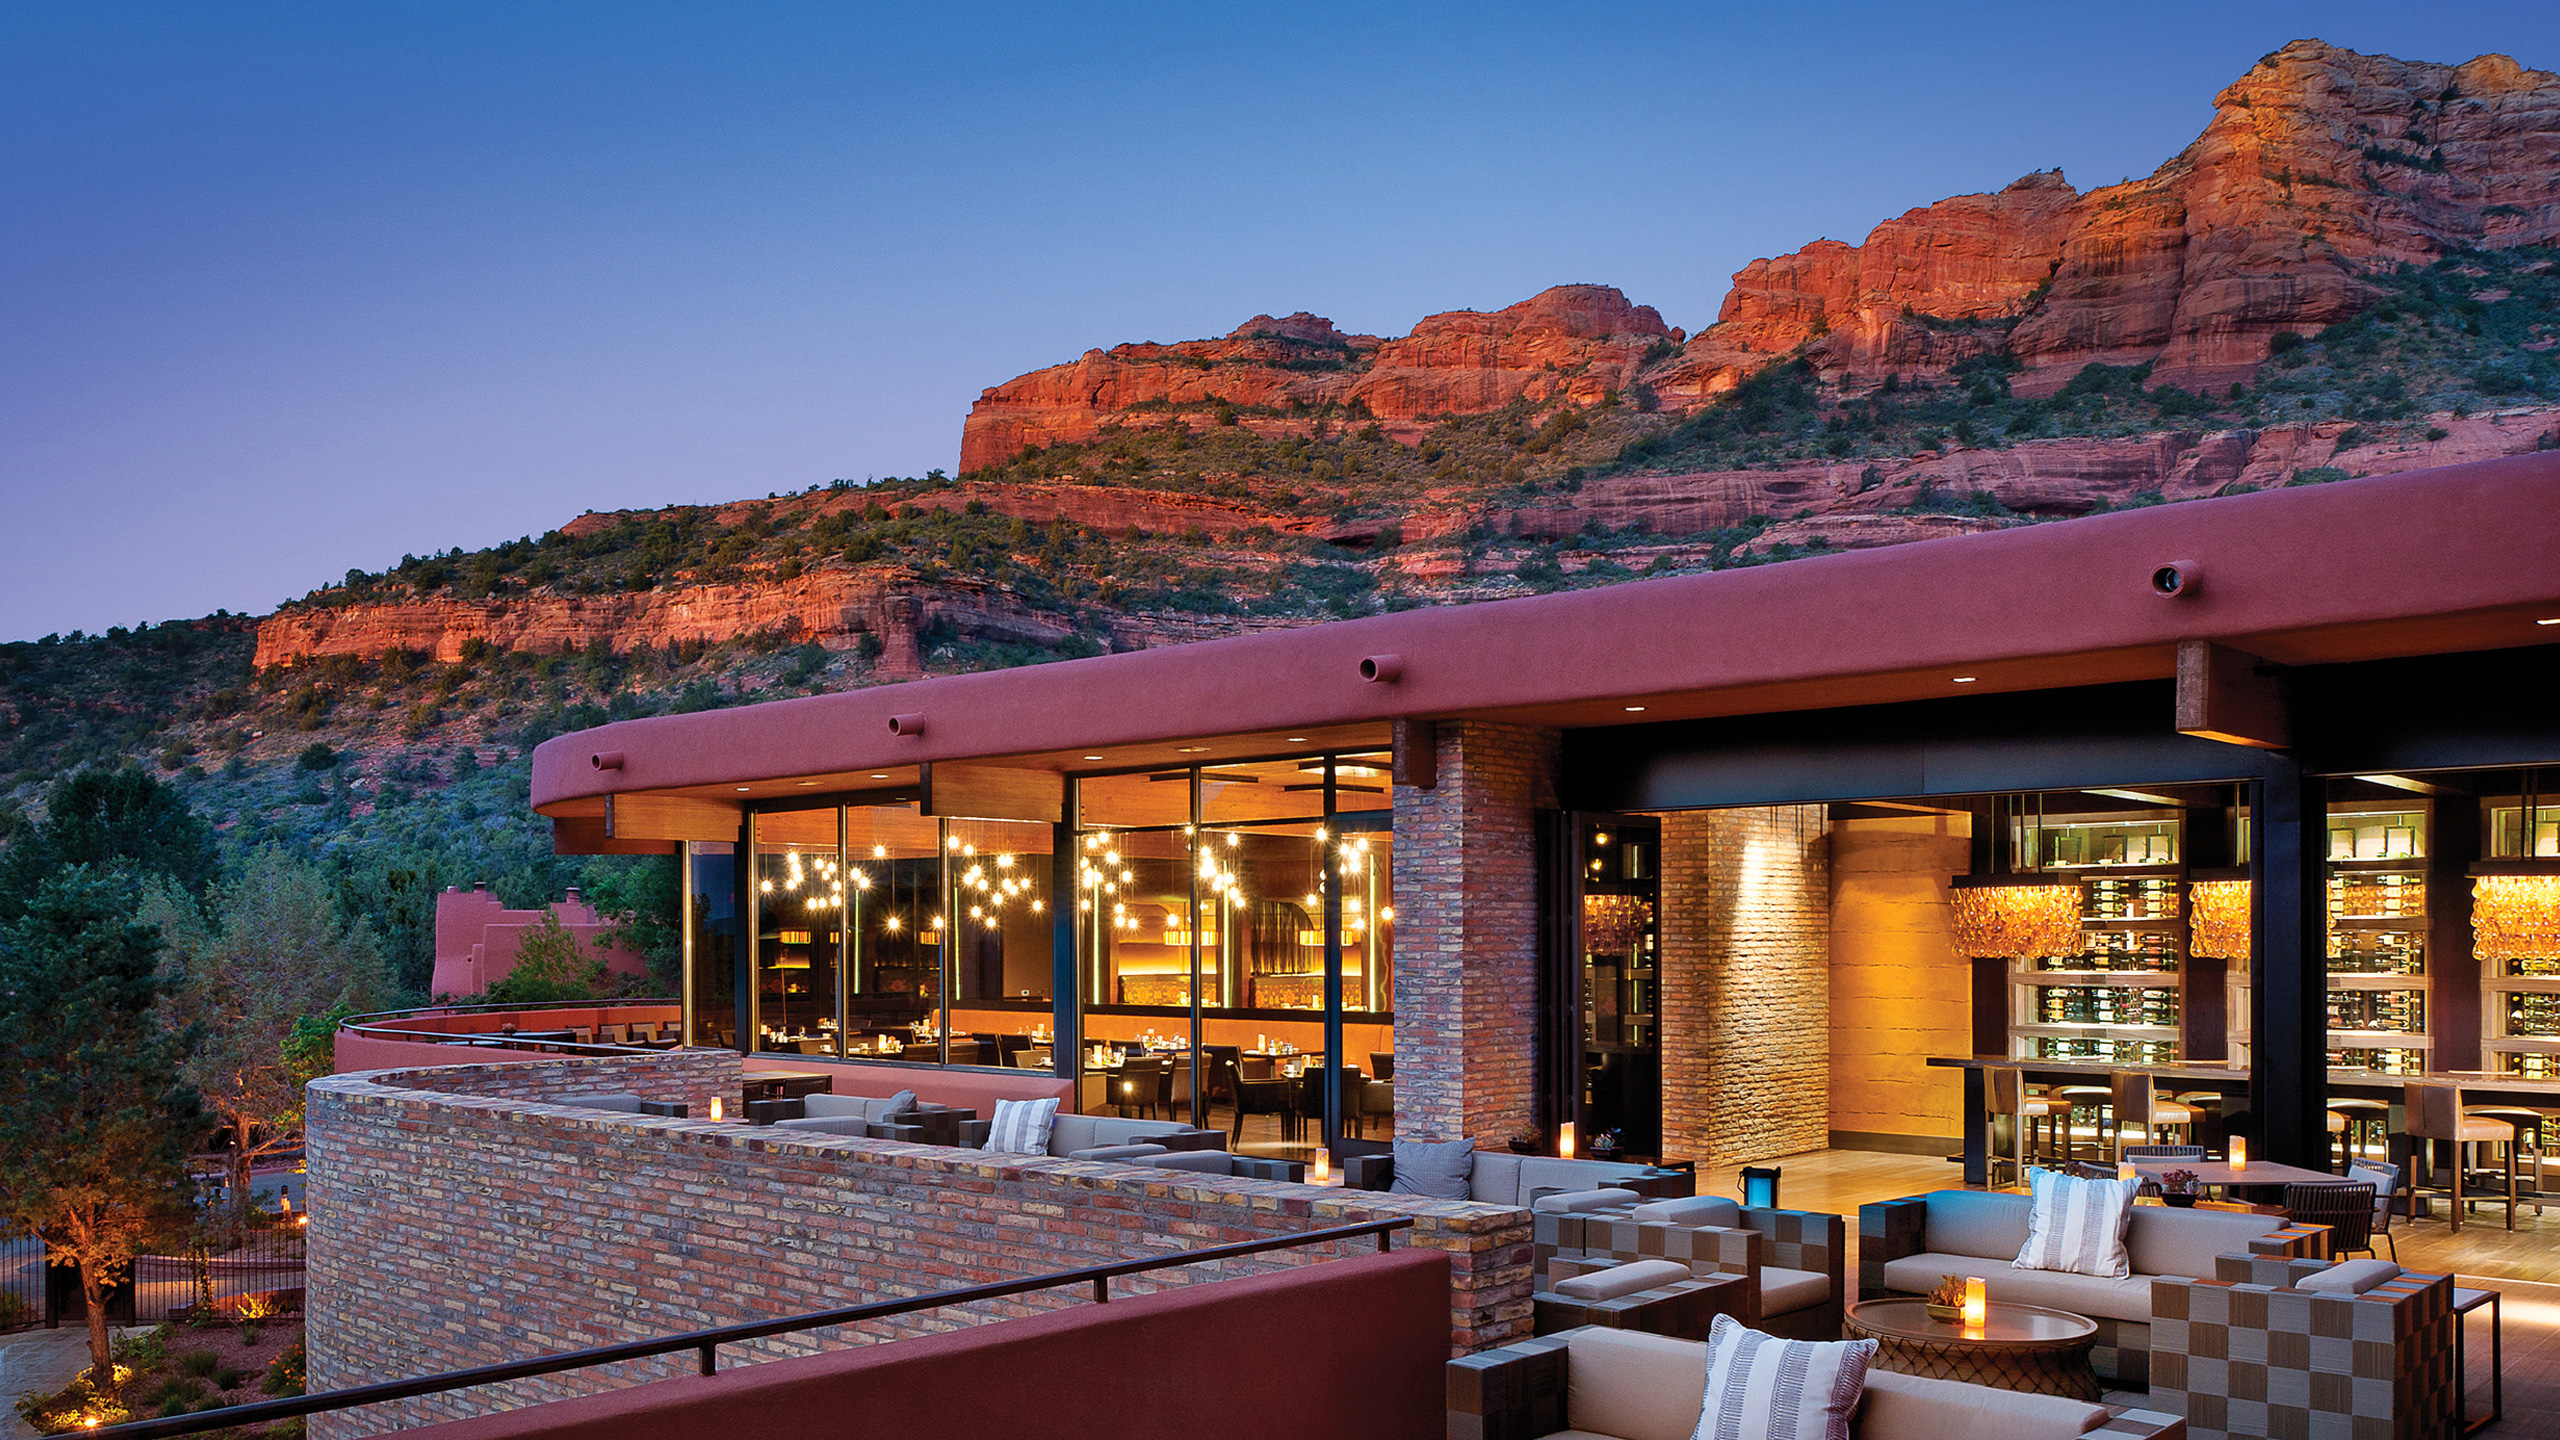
[(1323, 1173), (1977, 1303), (2125, 1170), (2239, 1152), (1564, 1140), (715, 1107)]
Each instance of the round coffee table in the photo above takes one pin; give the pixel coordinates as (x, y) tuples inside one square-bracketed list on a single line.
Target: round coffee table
[(2017, 1347)]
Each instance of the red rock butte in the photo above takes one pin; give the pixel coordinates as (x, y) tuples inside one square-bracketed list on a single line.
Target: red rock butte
[(2320, 167)]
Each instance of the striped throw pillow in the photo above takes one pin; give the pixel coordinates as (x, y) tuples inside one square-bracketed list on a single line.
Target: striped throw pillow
[(1021, 1127), (2076, 1225), (1760, 1387)]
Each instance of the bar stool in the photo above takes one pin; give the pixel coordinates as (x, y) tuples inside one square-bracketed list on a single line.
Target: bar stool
[(2435, 1113), (2006, 1089), (2367, 1122), (2138, 1103), (2528, 1141), (2092, 1098)]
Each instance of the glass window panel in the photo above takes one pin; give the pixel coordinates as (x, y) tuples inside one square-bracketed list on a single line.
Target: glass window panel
[(894, 894), (799, 931), (1002, 940), (711, 941), (1131, 802), (1263, 790), (1368, 921), (1363, 782), (1134, 918)]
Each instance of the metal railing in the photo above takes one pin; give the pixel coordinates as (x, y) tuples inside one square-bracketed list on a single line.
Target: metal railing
[(546, 1041), (706, 1343)]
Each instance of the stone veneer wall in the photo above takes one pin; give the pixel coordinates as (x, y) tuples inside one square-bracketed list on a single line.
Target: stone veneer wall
[(1899, 991), (1466, 982), (457, 1220), (1746, 983)]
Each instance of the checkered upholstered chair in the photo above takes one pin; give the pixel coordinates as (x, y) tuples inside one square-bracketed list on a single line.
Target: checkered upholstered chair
[(2251, 1352), (1793, 1263)]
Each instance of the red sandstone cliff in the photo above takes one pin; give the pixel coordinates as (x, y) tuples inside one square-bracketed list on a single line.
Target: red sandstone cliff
[(2320, 164)]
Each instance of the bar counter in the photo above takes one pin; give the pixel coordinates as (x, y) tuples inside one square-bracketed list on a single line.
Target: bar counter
[(2478, 1086)]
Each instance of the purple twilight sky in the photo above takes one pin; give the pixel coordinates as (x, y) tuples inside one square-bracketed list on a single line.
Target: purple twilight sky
[(291, 289)]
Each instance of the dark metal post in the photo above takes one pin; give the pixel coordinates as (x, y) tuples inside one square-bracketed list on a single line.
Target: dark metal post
[(710, 1357), (2289, 967), (1101, 1289), (1331, 866), (1066, 1045)]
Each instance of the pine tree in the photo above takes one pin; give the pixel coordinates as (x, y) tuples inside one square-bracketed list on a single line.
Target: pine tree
[(95, 1121)]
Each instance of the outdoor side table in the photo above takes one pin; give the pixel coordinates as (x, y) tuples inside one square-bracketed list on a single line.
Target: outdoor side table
[(2016, 1347), (2465, 1302)]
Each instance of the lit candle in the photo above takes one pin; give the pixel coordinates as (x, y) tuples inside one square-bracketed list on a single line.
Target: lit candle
[(1564, 1140), (2125, 1170), (2239, 1152), (1976, 1302), (715, 1107), (1323, 1170)]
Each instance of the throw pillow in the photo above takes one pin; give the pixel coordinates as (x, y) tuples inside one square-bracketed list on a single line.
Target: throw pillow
[(1021, 1127), (1760, 1385), (891, 1108), (1436, 1169), (2075, 1225)]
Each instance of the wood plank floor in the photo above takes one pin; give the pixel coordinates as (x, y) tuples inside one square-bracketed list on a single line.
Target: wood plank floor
[(2485, 1255)]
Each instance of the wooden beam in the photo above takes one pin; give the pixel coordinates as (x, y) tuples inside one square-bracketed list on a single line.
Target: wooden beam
[(994, 792), (1417, 754), (670, 817), (579, 835), (2231, 696)]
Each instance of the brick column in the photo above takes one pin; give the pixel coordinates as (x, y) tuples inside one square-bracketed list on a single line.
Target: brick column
[(1466, 980), (1746, 983)]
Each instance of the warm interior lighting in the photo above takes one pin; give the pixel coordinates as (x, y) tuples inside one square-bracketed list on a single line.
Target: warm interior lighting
[(1564, 1140), (1965, 679), (2218, 919), (2015, 917), (2239, 1152), (1977, 1303), (2515, 912), (715, 1107)]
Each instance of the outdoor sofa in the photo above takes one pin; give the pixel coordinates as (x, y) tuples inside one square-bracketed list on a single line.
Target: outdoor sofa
[(1499, 1178), (1906, 1246), (1792, 1264), (1601, 1384), (2277, 1346)]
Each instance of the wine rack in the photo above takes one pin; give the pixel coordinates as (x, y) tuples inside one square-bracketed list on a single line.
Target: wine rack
[(2377, 909), (2119, 1001)]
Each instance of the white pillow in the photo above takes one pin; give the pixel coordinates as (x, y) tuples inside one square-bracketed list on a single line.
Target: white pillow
[(1761, 1386), (2076, 1225), (1021, 1127)]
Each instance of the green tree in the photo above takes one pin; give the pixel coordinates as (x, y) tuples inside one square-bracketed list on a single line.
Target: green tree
[(642, 897), (550, 965), (118, 819), (277, 949), (96, 1120)]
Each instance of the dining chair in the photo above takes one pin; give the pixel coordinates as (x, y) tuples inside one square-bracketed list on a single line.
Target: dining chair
[(2347, 1209), (1382, 1065), (2013, 1143), (2139, 1105), (1138, 1085), (1255, 1097), (2385, 1180)]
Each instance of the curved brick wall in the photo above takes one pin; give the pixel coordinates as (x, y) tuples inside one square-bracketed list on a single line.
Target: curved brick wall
[(459, 1219)]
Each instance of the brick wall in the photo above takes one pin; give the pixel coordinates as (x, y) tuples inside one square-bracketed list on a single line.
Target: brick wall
[(1746, 983), (457, 1219), (1466, 982), (1899, 991)]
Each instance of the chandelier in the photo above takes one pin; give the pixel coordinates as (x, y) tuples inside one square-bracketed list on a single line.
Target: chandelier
[(2016, 917), (2515, 910), (2218, 917)]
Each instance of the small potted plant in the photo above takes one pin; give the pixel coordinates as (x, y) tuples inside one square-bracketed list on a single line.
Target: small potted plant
[(1947, 1301), (1604, 1145), (1528, 1140), (2178, 1187)]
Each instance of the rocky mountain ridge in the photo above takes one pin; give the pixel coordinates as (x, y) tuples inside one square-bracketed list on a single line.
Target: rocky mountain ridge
[(2320, 168)]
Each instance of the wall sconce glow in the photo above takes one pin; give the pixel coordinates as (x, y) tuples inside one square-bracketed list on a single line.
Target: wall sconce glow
[(1977, 1302)]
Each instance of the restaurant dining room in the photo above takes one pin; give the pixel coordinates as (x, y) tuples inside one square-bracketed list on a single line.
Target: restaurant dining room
[(1219, 934)]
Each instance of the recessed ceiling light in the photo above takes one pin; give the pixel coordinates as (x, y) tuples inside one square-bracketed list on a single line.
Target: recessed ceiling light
[(2554, 620), (1190, 749), (742, 789), (1093, 757), (1966, 679), (1297, 739), (805, 784), (879, 777), (1635, 709)]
